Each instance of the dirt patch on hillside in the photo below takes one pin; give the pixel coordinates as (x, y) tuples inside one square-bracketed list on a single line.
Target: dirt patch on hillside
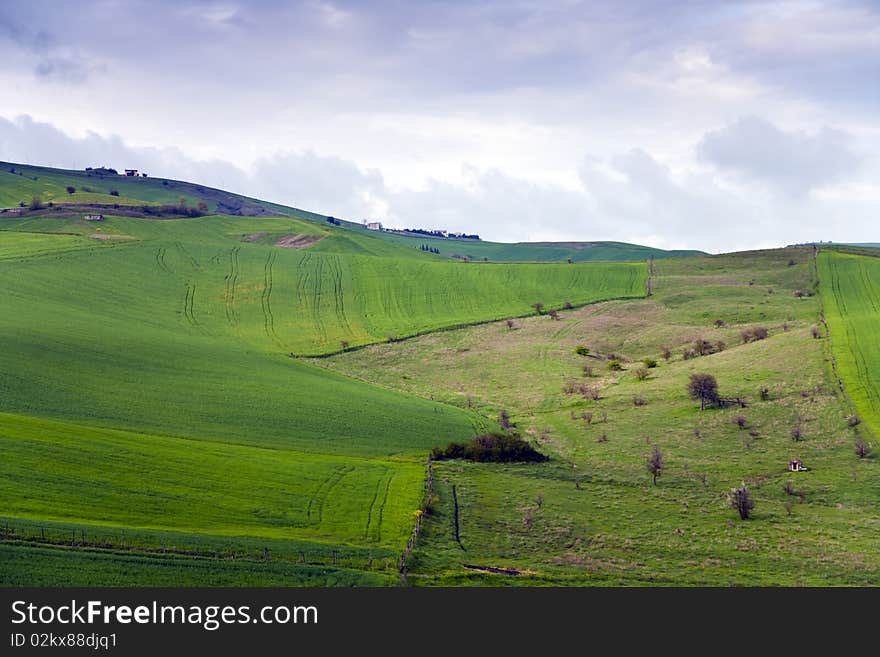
[(109, 236), (253, 237), (298, 241), (493, 569)]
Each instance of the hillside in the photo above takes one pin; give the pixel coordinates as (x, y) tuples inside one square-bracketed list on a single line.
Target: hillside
[(591, 516), (20, 183), (149, 401)]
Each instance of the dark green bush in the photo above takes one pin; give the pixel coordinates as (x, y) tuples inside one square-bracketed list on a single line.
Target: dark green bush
[(490, 448)]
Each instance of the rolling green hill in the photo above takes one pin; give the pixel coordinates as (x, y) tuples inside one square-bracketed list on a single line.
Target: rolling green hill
[(149, 403), (478, 250)]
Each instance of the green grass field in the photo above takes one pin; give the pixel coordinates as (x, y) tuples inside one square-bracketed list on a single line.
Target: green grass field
[(850, 286), (147, 390), (591, 516)]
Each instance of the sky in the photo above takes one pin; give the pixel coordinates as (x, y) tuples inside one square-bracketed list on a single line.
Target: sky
[(719, 126)]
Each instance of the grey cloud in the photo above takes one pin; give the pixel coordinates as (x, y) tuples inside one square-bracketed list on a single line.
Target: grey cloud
[(793, 162), (50, 63)]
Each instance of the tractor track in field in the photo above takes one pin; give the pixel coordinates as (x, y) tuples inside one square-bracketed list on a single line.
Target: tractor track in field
[(317, 289), (231, 281), (160, 260), (266, 298), (315, 507), (389, 476), (339, 294), (189, 305)]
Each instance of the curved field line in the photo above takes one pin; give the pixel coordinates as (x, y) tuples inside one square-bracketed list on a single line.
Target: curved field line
[(316, 501), (382, 506), (339, 294), (379, 483), (189, 304), (231, 280), (265, 298), (160, 259)]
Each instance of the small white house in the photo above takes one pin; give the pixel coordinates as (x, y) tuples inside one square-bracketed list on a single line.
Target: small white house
[(94, 217), (374, 225)]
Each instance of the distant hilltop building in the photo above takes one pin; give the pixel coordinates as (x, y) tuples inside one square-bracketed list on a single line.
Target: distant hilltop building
[(374, 225), (131, 172), (94, 217)]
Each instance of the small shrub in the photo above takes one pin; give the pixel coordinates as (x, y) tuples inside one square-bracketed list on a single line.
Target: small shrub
[(588, 371), (554, 315), (791, 263), (816, 332), (614, 365), (719, 323), (666, 353), (567, 305), (539, 308), (642, 373), (803, 292), (702, 347), (71, 190), (853, 421), (655, 463), (650, 363), (754, 334), (510, 324), (741, 421), (688, 353), (343, 344), (504, 419), (797, 434), (765, 393), (862, 448), (591, 392), (740, 499), (638, 400), (587, 417), (36, 203), (114, 192), (582, 350), (602, 439)]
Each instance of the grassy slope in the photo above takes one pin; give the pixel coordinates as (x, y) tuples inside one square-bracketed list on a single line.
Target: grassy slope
[(179, 330), (534, 251), (591, 515), (850, 286), (51, 184)]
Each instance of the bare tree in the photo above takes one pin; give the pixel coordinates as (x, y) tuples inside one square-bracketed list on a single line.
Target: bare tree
[(655, 463), (539, 307), (504, 419), (741, 500), (703, 387), (667, 354), (642, 373), (510, 324)]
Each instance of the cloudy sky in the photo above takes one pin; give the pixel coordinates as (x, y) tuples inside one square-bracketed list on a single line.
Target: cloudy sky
[(680, 124)]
